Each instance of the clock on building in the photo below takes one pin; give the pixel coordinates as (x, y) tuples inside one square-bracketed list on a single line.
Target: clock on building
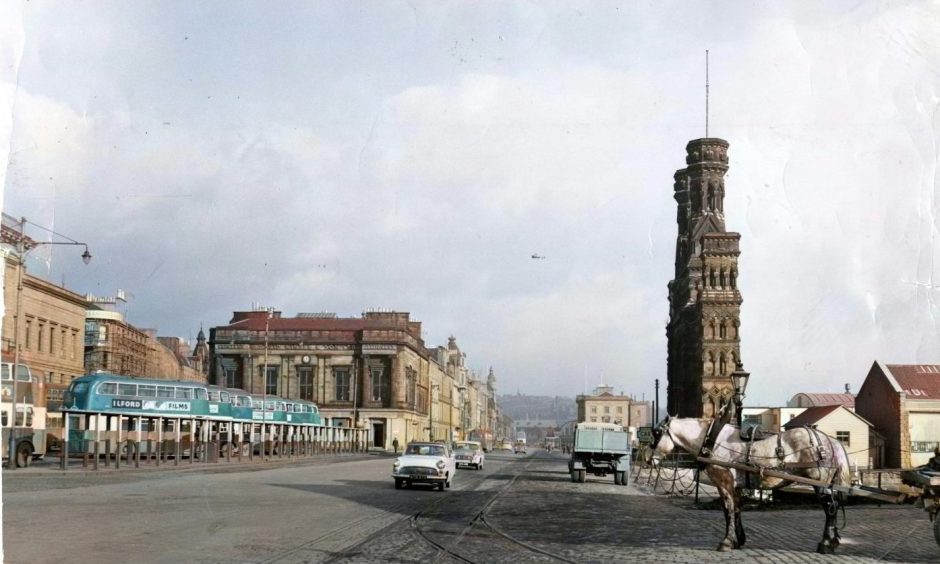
[(305, 359)]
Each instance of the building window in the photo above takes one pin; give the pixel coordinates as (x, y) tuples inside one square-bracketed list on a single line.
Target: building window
[(51, 340), (39, 337), (619, 409), (606, 419), (29, 329), (305, 376), (843, 437), (593, 419), (74, 346), (411, 381), (606, 409), (378, 384), (593, 409), (341, 384), (62, 350), (231, 378), (270, 380)]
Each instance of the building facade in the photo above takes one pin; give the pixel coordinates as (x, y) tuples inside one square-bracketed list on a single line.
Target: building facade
[(51, 328), (603, 406), (703, 332), (372, 372), (902, 401)]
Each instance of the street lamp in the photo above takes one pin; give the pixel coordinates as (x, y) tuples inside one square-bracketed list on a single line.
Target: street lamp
[(431, 411), (264, 386), (739, 380), (20, 250)]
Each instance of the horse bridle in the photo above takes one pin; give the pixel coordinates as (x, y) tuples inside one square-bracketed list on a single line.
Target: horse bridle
[(660, 430)]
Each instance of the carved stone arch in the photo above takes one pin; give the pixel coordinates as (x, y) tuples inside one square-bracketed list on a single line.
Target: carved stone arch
[(711, 277), (721, 364), (721, 278)]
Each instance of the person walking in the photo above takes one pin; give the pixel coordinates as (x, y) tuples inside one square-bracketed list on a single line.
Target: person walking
[(395, 444)]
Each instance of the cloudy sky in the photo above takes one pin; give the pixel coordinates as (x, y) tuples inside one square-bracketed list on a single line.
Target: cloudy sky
[(339, 156)]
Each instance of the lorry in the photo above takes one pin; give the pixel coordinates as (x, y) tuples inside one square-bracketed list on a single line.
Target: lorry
[(601, 449)]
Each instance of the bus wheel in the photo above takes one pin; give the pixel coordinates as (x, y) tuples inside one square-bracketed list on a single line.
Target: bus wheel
[(24, 454)]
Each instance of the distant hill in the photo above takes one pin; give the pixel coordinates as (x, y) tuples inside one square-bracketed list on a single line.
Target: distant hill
[(520, 407)]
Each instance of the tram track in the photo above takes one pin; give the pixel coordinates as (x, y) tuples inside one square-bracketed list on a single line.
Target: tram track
[(490, 533)]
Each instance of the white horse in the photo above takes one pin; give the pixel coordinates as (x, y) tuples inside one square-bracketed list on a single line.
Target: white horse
[(802, 451)]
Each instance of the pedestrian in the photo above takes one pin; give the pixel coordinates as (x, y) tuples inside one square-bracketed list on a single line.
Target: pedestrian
[(395, 444)]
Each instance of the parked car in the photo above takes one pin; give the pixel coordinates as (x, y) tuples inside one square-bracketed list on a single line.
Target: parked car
[(469, 453), (504, 445), (425, 463)]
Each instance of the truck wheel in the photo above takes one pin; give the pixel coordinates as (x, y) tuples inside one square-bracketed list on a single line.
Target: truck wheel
[(936, 528), (24, 455), (581, 476), (623, 477), (617, 478), (574, 476)]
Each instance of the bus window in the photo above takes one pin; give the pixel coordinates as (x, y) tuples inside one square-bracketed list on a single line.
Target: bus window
[(104, 388), (201, 393), (225, 397), (5, 419), (184, 393), (214, 395), (6, 391), (269, 406), (147, 391), (281, 406), (29, 416), (164, 391), (127, 389)]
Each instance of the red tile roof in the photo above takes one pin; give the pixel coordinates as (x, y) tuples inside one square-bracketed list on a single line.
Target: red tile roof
[(848, 400), (811, 416), (919, 381)]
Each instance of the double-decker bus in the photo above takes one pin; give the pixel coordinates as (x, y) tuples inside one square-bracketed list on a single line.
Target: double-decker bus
[(28, 426)]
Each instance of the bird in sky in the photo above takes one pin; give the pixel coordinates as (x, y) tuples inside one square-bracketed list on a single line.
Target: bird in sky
[(537, 256)]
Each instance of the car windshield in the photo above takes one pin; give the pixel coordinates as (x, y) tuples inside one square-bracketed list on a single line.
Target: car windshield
[(427, 450), (465, 448)]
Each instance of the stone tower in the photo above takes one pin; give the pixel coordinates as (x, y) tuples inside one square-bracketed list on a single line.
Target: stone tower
[(704, 301)]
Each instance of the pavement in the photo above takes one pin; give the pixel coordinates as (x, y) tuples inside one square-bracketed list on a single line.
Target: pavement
[(520, 508)]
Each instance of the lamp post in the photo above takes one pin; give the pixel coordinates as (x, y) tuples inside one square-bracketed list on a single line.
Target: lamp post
[(431, 411), (264, 385), (20, 250), (739, 380)]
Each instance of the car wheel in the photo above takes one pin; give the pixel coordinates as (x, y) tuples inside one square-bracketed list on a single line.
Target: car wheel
[(398, 483), (440, 486)]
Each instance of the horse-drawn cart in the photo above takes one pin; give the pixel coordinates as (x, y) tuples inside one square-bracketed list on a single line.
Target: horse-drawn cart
[(804, 456), (928, 481)]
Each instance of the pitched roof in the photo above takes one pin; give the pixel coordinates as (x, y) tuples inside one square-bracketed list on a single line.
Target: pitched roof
[(919, 381), (848, 400), (811, 416)]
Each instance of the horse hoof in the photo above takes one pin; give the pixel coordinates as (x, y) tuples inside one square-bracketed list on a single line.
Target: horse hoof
[(724, 547), (823, 548)]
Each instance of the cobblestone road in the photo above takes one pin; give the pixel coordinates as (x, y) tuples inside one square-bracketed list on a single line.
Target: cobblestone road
[(347, 510)]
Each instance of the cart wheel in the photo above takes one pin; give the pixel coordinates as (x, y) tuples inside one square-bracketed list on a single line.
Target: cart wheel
[(936, 528)]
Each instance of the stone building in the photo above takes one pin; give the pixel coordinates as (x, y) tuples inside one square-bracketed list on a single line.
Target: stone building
[(373, 372), (704, 343), (51, 330), (113, 345), (603, 406)]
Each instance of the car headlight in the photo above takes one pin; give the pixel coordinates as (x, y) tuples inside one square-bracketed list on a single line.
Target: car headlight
[(440, 464), (396, 464)]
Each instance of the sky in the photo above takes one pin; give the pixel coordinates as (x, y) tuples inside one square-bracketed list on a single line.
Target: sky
[(342, 156)]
